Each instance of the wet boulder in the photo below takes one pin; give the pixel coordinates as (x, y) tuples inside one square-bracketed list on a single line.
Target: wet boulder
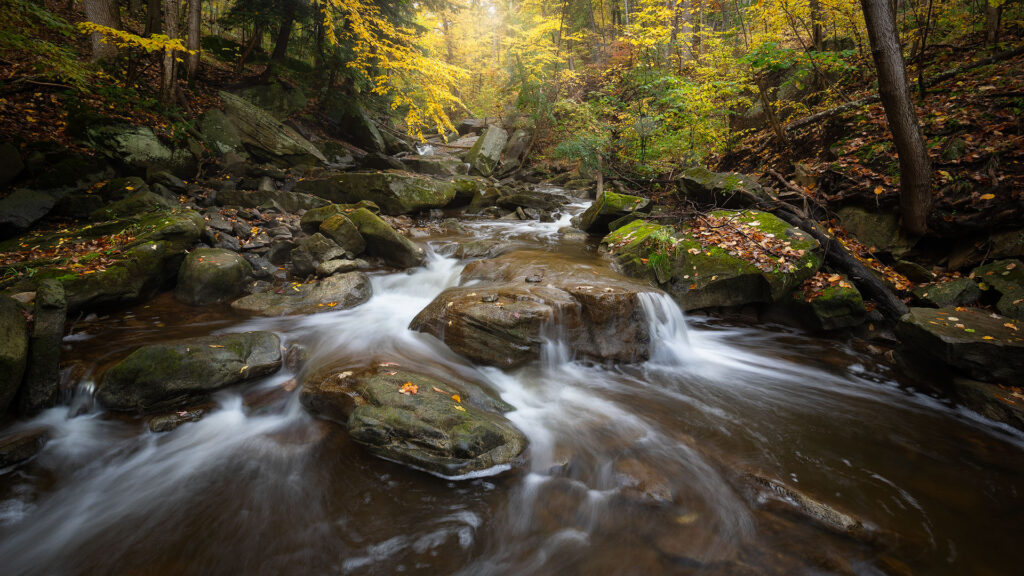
[(265, 136), (821, 304), (485, 154), (41, 388), (435, 165), (21, 446), (609, 208), (726, 259), (336, 292), (536, 199), (520, 300), (721, 189), (175, 373), (983, 346), (879, 230), (13, 350), (395, 192), (211, 276), (313, 251), (445, 427), (385, 242), (1006, 279)]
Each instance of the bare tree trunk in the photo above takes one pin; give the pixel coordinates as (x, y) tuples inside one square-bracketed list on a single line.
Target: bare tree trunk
[(154, 20), (134, 7), (993, 18), (195, 16), (773, 120), (817, 32), (285, 32), (169, 82), (894, 89), (104, 13)]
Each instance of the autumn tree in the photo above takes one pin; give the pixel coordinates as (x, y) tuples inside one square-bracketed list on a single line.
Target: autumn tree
[(894, 89)]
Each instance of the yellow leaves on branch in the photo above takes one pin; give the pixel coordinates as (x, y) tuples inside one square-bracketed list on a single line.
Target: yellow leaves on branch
[(390, 58), (122, 39)]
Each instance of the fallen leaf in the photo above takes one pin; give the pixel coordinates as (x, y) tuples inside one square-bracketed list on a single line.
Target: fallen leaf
[(457, 398), (987, 196), (409, 388)]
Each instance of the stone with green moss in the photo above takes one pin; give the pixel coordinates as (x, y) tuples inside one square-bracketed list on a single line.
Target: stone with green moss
[(958, 292), (395, 192), (211, 276), (344, 233), (835, 307), (176, 373), (609, 208), (721, 189), (1006, 279), (137, 203), (711, 276), (13, 350), (313, 218), (382, 240), (443, 426), (485, 154)]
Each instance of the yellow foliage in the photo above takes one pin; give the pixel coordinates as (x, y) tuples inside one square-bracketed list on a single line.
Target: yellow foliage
[(122, 39)]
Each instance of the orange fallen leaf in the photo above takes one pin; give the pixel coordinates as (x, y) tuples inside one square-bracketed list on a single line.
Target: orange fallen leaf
[(457, 398), (409, 388)]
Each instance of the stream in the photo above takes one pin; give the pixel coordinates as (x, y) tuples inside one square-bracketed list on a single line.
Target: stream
[(631, 469)]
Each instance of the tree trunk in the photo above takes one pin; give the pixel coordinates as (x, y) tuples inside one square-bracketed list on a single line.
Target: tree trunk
[(285, 32), (154, 19), (195, 16), (773, 120), (104, 13), (993, 17), (169, 82), (894, 89), (134, 7), (817, 32)]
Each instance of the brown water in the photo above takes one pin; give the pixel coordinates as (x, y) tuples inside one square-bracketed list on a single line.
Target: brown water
[(632, 469)]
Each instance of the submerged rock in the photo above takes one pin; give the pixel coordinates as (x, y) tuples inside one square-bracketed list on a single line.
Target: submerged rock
[(179, 372), (983, 346), (212, 275), (337, 292), (764, 260), (440, 426), (395, 192), (522, 298)]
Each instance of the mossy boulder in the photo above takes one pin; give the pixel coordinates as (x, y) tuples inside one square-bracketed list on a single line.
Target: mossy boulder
[(314, 251), (138, 203), (385, 242), (219, 134), (441, 426), (701, 274), (830, 308), (278, 200), (395, 192), (13, 350), (211, 276), (41, 388), (980, 345), (878, 230), (265, 137), (434, 165), (610, 207), (279, 99), (336, 292), (312, 219), (137, 148), (344, 233), (485, 154), (1006, 279), (958, 292), (176, 373), (721, 189)]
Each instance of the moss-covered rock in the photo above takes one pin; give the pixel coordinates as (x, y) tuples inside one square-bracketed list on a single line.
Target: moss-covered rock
[(878, 230), (382, 240), (830, 308), (41, 388), (958, 292), (344, 233), (441, 426), (983, 346), (609, 208), (721, 189), (138, 203), (337, 292), (1006, 279), (701, 274), (211, 276), (13, 350), (264, 136), (312, 219), (395, 192), (277, 98), (279, 200), (137, 148), (180, 372), (485, 154), (314, 251), (435, 165)]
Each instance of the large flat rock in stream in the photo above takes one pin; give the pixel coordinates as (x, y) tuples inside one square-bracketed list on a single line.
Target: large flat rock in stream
[(337, 292), (980, 344), (179, 372), (519, 300), (442, 426), (395, 192)]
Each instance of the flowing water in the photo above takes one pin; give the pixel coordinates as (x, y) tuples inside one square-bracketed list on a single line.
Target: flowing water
[(641, 469)]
